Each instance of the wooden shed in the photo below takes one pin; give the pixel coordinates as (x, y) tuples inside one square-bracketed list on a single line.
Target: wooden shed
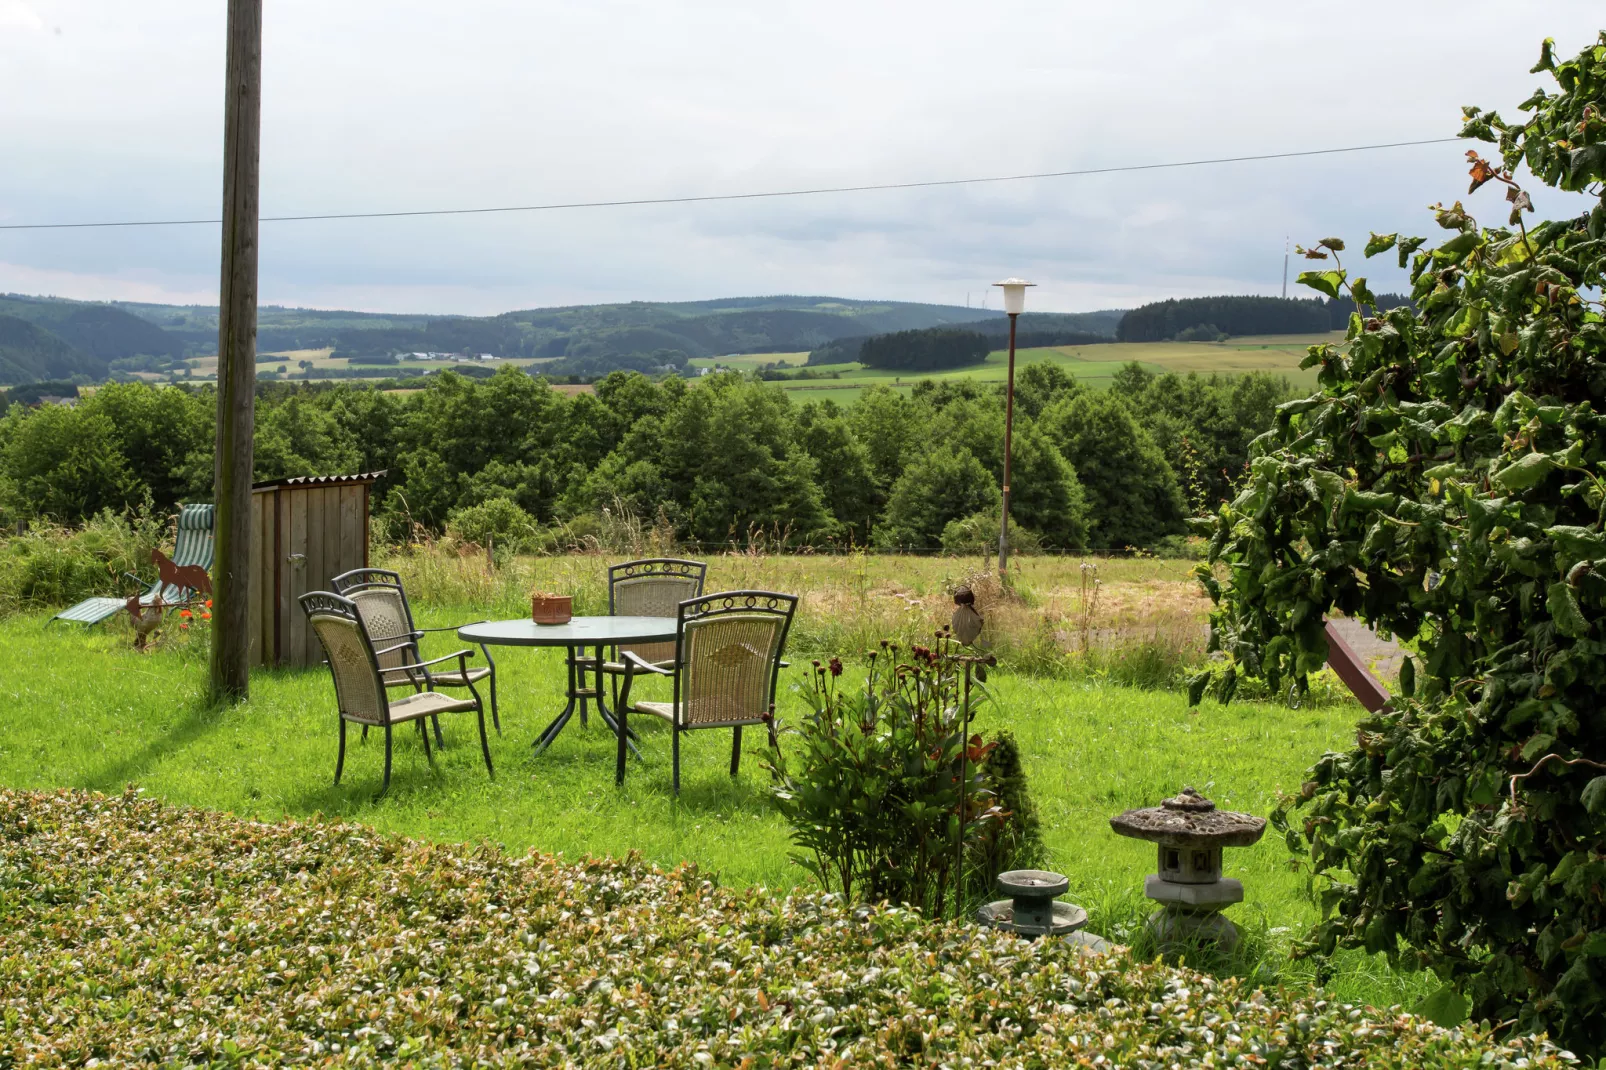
[(306, 529)]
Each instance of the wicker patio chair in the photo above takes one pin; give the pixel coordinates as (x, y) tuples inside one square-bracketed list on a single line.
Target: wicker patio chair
[(651, 587), (382, 602), (361, 692), (726, 663)]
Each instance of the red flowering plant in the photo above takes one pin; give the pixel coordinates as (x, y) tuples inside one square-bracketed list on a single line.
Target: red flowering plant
[(888, 792), (199, 614)]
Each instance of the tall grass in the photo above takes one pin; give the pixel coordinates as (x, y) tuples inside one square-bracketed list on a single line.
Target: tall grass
[(49, 565), (1060, 618)]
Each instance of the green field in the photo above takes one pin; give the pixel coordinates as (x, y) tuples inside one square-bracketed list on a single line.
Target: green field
[(1094, 365)]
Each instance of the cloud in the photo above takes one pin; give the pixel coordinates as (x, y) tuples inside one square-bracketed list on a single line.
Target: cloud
[(372, 106), (16, 15)]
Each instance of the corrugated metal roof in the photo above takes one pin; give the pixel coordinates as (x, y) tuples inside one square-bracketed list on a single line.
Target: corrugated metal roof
[(319, 481)]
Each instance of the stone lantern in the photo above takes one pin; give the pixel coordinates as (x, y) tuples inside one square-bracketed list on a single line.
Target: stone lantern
[(1189, 887)]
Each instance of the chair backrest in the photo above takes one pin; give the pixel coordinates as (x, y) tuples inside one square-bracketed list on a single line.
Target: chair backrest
[(381, 602), (728, 652), (192, 546), (653, 587), (359, 692)]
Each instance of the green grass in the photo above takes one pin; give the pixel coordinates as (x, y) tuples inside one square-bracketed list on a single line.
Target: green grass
[(88, 712)]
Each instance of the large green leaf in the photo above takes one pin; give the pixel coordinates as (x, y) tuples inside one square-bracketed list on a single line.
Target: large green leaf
[(1328, 282), (1524, 472)]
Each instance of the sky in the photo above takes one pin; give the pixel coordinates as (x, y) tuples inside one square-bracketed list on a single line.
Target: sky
[(113, 111)]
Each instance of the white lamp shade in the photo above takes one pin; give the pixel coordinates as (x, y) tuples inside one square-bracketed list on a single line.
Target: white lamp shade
[(1014, 295)]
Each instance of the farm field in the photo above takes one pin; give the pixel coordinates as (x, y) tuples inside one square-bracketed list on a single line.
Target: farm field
[(1093, 365), (104, 717)]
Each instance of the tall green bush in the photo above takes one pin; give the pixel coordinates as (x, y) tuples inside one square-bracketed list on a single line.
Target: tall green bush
[(1447, 484), (889, 795)]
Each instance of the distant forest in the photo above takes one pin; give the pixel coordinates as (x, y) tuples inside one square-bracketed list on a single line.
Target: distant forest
[(1204, 318), (1034, 329)]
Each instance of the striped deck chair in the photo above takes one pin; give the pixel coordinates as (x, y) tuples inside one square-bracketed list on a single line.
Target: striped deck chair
[(191, 546)]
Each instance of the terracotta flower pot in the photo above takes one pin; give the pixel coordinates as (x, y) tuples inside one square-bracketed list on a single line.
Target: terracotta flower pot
[(551, 608)]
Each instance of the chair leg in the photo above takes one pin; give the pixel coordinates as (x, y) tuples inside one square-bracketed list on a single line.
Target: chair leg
[(437, 722), (365, 733), (674, 749), (736, 749), (619, 763), (386, 785), (423, 733), (485, 743), (340, 760)]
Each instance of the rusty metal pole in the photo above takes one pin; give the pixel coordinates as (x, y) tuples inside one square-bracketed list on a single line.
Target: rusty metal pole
[(1009, 431), (236, 355)]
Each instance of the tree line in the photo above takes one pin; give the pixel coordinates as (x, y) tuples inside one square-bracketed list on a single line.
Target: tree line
[(717, 461), (1206, 318)]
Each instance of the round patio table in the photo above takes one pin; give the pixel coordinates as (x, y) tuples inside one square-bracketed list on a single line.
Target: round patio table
[(579, 635)]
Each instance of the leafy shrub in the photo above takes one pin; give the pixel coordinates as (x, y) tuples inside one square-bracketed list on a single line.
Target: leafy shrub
[(889, 796), (138, 933), (1445, 484), (1015, 841), (1203, 332), (495, 524), (978, 534)]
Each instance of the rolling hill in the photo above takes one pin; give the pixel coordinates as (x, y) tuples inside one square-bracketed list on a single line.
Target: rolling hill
[(29, 353)]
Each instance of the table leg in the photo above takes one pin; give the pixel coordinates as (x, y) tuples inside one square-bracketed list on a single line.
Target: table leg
[(579, 693), (550, 732)]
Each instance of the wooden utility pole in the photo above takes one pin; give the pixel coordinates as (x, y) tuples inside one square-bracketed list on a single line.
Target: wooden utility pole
[(236, 355)]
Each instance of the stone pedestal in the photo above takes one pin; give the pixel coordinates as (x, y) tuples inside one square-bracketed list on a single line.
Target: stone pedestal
[(1190, 914)]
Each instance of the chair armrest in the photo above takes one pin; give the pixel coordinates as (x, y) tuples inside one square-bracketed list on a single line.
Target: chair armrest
[(393, 649), (634, 664), (465, 653), (452, 628)]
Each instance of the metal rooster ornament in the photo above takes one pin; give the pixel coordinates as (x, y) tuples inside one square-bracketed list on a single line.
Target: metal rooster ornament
[(146, 619), (967, 622)]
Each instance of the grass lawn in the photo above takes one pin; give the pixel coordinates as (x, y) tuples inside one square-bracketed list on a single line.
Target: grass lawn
[(89, 712)]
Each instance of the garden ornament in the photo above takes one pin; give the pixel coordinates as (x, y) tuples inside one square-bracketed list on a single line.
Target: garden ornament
[(1190, 889), (967, 622)]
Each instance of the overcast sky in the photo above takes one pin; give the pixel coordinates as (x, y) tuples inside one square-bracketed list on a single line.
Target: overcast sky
[(112, 110)]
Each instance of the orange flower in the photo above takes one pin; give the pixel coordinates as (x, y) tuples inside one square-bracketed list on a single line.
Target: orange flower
[(206, 616), (183, 624), (208, 603), (185, 613)]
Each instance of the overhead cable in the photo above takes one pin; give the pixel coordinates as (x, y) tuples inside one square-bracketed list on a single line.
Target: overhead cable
[(703, 198)]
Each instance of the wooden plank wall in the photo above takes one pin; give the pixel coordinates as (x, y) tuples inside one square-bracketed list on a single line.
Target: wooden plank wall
[(302, 538)]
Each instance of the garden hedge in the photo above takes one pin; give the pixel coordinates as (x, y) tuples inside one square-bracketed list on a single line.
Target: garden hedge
[(134, 932)]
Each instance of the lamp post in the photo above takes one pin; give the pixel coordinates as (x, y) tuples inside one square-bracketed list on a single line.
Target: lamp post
[(1014, 303)]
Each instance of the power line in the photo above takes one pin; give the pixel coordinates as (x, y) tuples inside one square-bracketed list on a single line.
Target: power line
[(562, 206)]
